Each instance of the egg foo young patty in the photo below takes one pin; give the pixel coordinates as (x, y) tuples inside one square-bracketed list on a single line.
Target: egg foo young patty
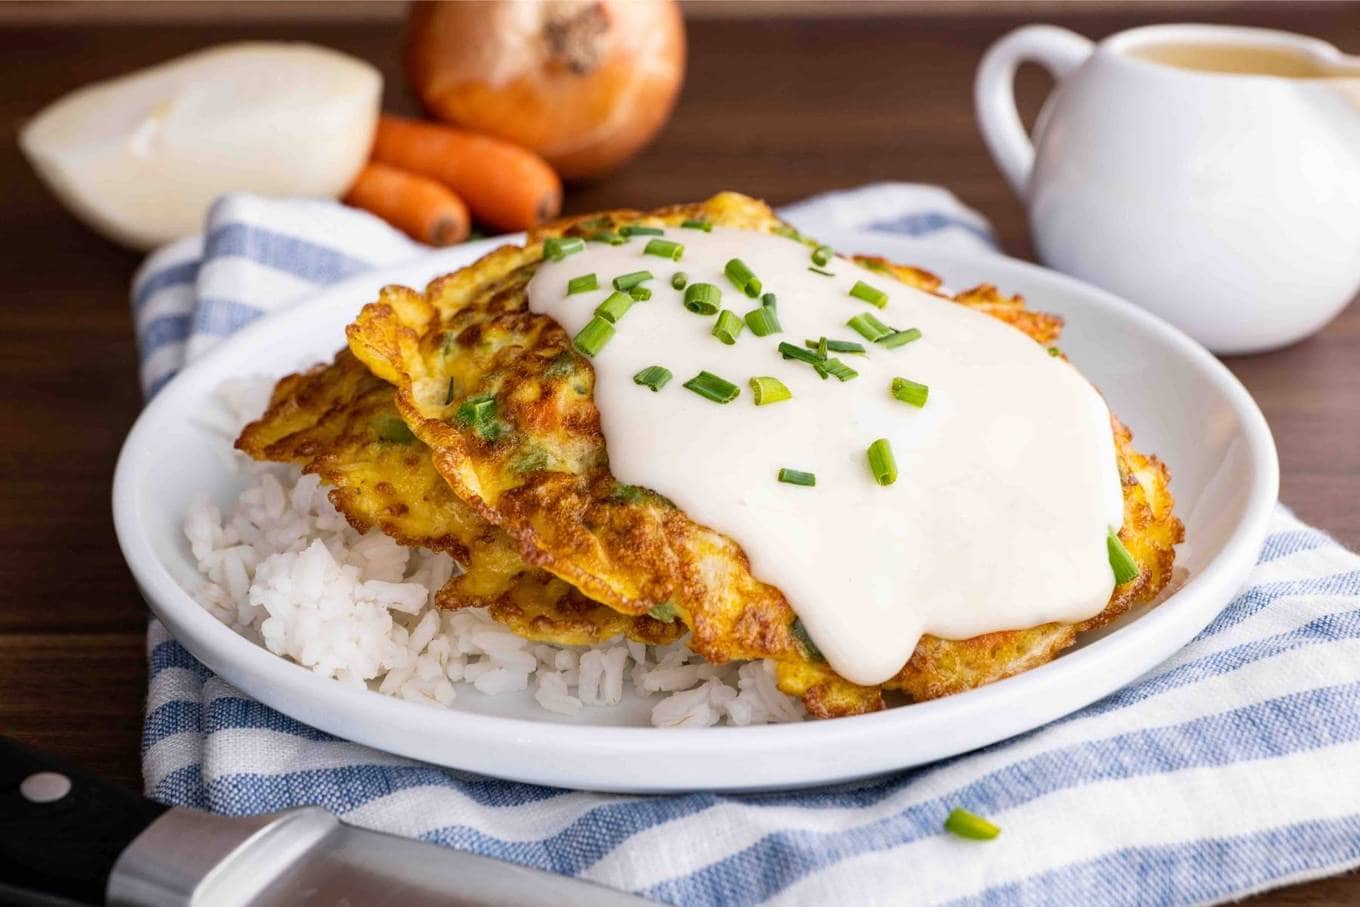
[(339, 422), (506, 406)]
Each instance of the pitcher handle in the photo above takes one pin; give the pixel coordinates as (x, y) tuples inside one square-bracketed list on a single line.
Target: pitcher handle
[(1056, 49)]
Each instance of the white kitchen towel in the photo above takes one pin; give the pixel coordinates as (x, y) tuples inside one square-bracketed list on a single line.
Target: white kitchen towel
[(1232, 767)]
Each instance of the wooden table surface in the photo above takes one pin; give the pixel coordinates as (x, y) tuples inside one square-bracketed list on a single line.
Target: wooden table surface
[(775, 109)]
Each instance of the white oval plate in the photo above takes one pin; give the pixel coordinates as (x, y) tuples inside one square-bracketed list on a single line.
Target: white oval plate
[(1181, 403)]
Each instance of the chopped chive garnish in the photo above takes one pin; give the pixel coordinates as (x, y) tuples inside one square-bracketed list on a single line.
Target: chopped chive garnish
[(910, 392), (797, 477), (702, 298), (640, 230), (729, 327), (763, 321), (770, 301), (641, 294), (665, 612), (800, 633), (822, 272), (664, 248), (836, 346), (769, 390), (394, 429), (628, 281), (789, 351), (477, 410), (821, 255), (583, 284), (606, 236), (869, 327), (556, 248), (693, 224), (615, 307), (1124, 566), (742, 277), (872, 295), (822, 348), (839, 369), (597, 332), (653, 376), (881, 462), (448, 395), (970, 825), (679, 279), (1054, 352), (899, 338), (710, 386)]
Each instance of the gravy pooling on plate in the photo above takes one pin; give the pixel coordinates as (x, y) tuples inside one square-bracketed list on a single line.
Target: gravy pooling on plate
[(1007, 485)]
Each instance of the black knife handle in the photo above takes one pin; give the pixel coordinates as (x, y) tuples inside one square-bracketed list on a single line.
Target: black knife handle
[(65, 846)]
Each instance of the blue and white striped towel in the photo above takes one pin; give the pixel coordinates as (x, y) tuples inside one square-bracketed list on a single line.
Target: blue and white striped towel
[(1231, 768)]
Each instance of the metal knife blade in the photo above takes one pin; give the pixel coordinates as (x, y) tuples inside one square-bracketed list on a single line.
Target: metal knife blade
[(307, 858)]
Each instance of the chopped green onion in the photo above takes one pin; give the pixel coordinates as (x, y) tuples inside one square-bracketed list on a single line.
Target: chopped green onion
[(693, 224), (789, 351), (821, 255), (797, 477), (653, 376), (899, 338), (641, 294), (640, 230), (742, 277), (769, 390), (822, 348), (710, 386), (763, 321), (822, 272), (836, 346), (882, 463), (800, 633), (872, 295), (679, 279), (664, 248), (394, 429), (477, 410), (583, 284), (702, 298), (728, 327), (970, 825), (770, 301), (838, 368), (597, 332), (910, 392), (605, 236), (628, 281), (665, 612), (556, 248), (1054, 352), (448, 395), (869, 327), (1124, 566), (615, 307)]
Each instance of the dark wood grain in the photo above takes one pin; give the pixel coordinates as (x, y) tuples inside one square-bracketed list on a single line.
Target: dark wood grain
[(777, 109)]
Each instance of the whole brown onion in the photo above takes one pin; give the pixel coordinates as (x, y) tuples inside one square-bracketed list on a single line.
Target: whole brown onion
[(585, 83)]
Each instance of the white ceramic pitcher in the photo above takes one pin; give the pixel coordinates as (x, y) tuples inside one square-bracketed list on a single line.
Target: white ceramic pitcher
[(1227, 202)]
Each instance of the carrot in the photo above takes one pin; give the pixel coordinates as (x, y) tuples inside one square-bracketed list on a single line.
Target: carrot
[(423, 208), (506, 186)]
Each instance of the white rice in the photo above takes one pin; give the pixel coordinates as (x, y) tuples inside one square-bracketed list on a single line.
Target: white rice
[(284, 569)]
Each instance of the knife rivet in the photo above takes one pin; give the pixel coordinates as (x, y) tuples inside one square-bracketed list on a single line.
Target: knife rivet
[(45, 787)]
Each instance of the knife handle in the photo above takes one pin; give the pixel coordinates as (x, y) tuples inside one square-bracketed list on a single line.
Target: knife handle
[(61, 830)]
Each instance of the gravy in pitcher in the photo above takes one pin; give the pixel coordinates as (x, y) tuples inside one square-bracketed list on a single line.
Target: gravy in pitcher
[(1240, 59)]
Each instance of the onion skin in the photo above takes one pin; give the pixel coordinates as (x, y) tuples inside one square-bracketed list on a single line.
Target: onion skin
[(585, 83)]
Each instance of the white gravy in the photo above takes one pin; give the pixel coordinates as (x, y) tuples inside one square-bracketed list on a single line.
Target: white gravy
[(1007, 477)]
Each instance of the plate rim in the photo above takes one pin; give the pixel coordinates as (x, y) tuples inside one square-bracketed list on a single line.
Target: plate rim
[(490, 739)]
